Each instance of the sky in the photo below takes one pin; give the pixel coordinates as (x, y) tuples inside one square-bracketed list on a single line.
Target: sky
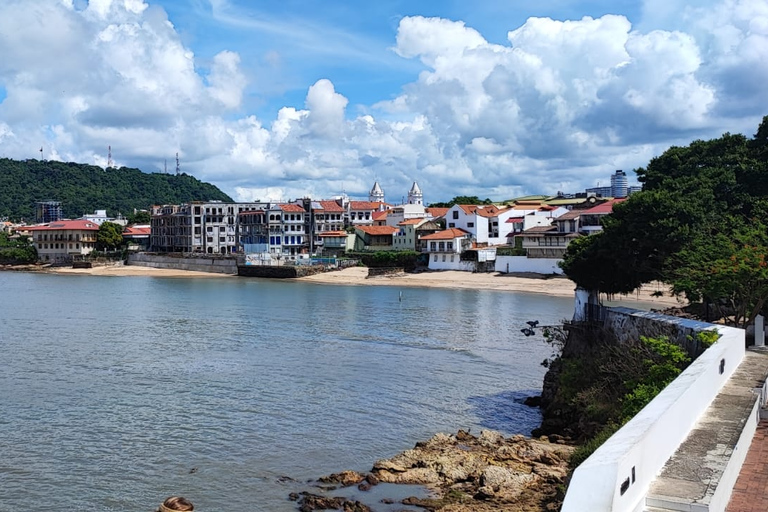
[(277, 100)]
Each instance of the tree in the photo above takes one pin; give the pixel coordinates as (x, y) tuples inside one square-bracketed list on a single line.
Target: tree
[(140, 217), (109, 237), (462, 200), (729, 271), (689, 227)]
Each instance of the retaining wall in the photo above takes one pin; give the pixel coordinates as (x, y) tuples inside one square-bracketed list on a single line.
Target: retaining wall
[(510, 264), (213, 265), (617, 476)]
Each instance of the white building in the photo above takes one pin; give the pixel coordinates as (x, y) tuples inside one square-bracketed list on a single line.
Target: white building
[(445, 248), (61, 241)]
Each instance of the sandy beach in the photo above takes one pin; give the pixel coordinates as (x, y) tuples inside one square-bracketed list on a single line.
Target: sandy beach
[(553, 286), (532, 283)]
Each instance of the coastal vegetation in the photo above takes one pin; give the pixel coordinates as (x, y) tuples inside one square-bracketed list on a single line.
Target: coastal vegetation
[(82, 188), (696, 225), (595, 384), (16, 250)]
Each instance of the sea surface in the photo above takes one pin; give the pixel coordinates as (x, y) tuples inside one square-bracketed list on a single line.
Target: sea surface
[(116, 392)]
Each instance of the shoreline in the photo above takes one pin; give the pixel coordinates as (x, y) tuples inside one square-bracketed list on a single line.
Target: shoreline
[(554, 286)]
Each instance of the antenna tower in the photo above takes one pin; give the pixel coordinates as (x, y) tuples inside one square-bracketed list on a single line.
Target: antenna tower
[(165, 166), (178, 167), (109, 157)]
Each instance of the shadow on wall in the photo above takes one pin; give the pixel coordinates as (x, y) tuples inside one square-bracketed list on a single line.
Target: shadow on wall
[(506, 412)]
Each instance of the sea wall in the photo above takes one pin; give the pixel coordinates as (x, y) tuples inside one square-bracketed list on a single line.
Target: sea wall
[(512, 264), (617, 476), (202, 264)]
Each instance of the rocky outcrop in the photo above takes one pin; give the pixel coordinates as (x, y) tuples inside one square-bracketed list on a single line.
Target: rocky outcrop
[(477, 473)]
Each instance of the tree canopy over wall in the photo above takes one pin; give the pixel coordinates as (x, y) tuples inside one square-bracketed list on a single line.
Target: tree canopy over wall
[(696, 225), (82, 188)]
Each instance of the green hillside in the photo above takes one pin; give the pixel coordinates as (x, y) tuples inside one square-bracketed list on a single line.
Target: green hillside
[(82, 188)]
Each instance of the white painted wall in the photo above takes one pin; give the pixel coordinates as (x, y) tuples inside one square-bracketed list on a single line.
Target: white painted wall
[(508, 264), (649, 439), (456, 264)]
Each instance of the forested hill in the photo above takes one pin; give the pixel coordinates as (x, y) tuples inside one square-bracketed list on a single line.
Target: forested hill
[(82, 188)]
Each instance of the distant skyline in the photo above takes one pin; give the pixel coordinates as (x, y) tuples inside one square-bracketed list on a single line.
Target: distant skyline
[(276, 100)]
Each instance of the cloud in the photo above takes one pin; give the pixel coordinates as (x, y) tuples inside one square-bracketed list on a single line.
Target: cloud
[(558, 106)]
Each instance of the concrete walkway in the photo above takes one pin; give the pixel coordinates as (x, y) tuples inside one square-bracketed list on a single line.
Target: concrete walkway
[(701, 473), (750, 494)]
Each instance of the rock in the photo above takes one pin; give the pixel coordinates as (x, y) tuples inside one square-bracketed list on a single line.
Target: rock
[(533, 401), (364, 486), (293, 496), (310, 502), (387, 465), (345, 478), (371, 479), (484, 493)]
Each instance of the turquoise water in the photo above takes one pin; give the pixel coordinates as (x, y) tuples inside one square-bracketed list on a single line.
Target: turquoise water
[(118, 391)]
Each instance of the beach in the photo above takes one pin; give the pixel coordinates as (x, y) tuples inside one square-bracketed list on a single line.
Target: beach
[(453, 279)]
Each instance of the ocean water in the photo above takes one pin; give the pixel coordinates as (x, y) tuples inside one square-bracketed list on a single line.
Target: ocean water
[(116, 392)]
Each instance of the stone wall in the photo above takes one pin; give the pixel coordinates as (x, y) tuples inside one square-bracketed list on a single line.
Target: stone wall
[(201, 264)]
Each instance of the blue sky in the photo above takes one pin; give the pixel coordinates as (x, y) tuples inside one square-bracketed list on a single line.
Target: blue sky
[(277, 100)]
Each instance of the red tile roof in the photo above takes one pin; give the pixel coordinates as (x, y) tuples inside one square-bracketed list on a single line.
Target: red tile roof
[(573, 214), (604, 208), (488, 211), (378, 230), (540, 229), (365, 205), (80, 224), (331, 206), (515, 220), (291, 208), (408, 222), (448, 234), (437, 212), (379, 215), (136, 231), (333, 234)]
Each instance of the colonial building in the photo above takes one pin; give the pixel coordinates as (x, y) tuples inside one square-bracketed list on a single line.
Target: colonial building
[(61, 241)]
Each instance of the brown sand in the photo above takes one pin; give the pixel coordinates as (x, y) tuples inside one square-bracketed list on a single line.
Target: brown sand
[(532, 283)]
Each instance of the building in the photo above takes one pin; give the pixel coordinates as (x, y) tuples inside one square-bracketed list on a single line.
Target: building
[(137, 237), (47, 211), (198, 227), (62, 241), (415, 196), (375, 238), (376, 195), (546, 242), (619, 187), (444, 249)]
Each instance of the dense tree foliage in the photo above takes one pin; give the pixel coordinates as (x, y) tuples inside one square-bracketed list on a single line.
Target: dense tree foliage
[(140, 217), (461, 200), (84, 188), (15, 251), (109, 237), (695, 226)]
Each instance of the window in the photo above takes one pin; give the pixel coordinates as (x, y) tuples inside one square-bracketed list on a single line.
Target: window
[(209, 229), (451, 224), (197, 230), (222, 239), (443, 257), (470, 224), (435, 257), (210, 239), (456, 214), (452, 256), (449, 246)]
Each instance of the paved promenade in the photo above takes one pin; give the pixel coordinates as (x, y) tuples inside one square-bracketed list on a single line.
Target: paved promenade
[(750, 494)]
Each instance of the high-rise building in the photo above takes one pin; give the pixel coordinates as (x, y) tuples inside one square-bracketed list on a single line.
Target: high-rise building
[(619, 184), (47, 211)]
